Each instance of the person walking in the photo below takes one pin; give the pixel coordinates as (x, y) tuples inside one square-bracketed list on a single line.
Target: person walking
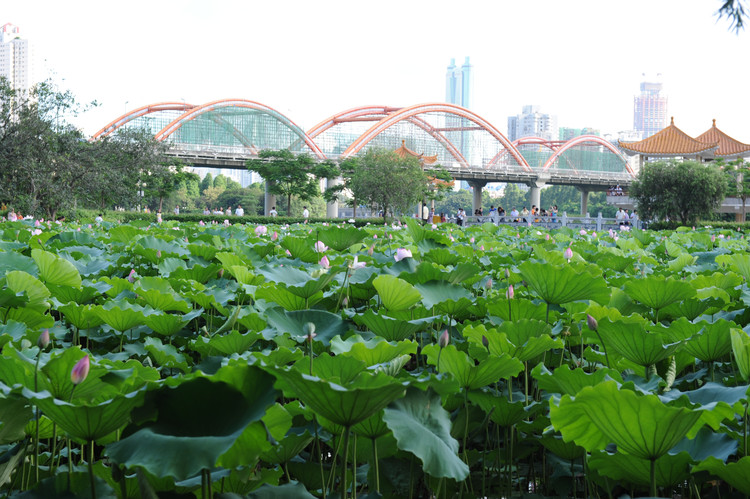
[(305, 213)]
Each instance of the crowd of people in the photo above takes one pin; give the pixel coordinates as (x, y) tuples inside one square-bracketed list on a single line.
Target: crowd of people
[(499, 215), (240, 212)]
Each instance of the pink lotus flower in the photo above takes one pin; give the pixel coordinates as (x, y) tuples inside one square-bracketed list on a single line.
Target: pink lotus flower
[(568, 253), (481, 247), (593, 234), (402, 253), (132, 275), (261, 230), (374, 236), (591, 322), (320, 247), (80, 371), (274, 236), (713, 238), (583, 232), (201, 223), (546, 237), (370, 250), (510, 293), (288, 253), (356, 264), (37, 223), (324, 262), (434, 226), (36, 232), (471, 240)]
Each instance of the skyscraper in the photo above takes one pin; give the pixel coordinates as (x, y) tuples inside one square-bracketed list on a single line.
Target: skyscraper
[(650, 108), (16, 58), (458, 83), (532, 123)]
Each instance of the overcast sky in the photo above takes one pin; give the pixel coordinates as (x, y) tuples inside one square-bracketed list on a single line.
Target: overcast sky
[(579, 60)]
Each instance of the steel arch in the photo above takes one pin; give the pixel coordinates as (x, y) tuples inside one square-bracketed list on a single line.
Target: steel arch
[(218, 104), (583, 139), (409, 112), (523, 141), (350, 115), (141, 111)]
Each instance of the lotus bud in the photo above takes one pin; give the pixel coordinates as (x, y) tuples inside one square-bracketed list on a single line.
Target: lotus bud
[(568, 253), (132, 276), (309, 328), (591, 322), (485, 342), (374, 236), (43, 340), (324, 262), (488, 284), (288, 253), (221, 273), (713, 238), (507, 273), (274, 236), (445, 338), (471, 240), (370, 250), (345, 301), (158, 253), (546, 237), (593, 234), (80, 371), (481, 247), (510, 293)]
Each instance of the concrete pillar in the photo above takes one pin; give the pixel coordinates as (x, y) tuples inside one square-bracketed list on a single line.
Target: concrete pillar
[(269, 202), (584, 201), (535, 195), (332, 209), (476, 187)]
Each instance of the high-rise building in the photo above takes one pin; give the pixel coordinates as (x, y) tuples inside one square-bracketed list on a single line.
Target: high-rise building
[(16, 58), (532, 123), (458, 84), (650, 108)]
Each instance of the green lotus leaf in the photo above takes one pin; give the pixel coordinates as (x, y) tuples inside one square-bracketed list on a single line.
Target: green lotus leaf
[(37, 293), (469, 375), (56, 270), (11, 260), (296, 281), (640, 425), (68, 485), (614, 262), (631, 340), (87, 422), (372, 352), (741, 263), (291, 490), (415, 230), (123, 233), (340, 238), (530, 338), (81, 316), (559, 447), (438, 292), (12, 299), (372, 427), (464, 272), (442, 256), (569, 382), (244, 276), (327, 325), (387, 327), (117, 285), (166, 302), (396, 294), (55, 378), (669, 470), (707, 443), (85, 293), (657, 292), (343, 406), (288, 447), (168, 265), (120, 319), (199, 273), (706, 341), (690, 308), (14, 414), (302, 248), (339, 369), (682, 261), (158, 244), (421, 426), (30, 317), (165, 324), (90, 265), (520, 308), (501, 410), (741, 350), (562, 284), (736, 474), (278, 294), (227, 344), (194, 423), (205, 251), (716, 402)]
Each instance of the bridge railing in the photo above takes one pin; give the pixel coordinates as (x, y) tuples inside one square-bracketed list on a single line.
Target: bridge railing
[(587, 223)]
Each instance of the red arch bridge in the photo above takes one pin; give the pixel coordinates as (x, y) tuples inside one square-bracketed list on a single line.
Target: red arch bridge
[(225, 133)]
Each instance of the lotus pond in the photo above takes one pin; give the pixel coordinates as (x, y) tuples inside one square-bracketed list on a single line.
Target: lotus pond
[(385, 361)]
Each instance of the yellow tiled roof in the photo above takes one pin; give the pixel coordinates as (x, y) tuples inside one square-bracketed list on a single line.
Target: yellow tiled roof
[(404, 151), (727, 145), (670, 141)]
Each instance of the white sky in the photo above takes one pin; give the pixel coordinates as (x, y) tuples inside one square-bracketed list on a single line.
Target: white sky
[(580, 60)]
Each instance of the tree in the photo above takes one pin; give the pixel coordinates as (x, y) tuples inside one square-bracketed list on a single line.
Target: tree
[(735, 11), (163, 179), (384, 180), (685, 190), (208, 181), (290, 175), (738, 174)]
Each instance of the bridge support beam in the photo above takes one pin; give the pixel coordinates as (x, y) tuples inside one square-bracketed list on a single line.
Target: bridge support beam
[(584, 201), (476, 201), (535, 193), (269, 202), (332, 209)]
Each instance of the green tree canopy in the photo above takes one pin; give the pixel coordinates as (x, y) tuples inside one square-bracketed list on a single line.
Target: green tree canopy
[(682, 190), (290, 175), (384, 180)]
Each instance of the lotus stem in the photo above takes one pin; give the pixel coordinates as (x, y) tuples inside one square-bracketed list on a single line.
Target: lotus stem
[(375, 464), (604, 347), (344, 463), (653, 477), (91, 469), (354, 468), (744, 436)]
